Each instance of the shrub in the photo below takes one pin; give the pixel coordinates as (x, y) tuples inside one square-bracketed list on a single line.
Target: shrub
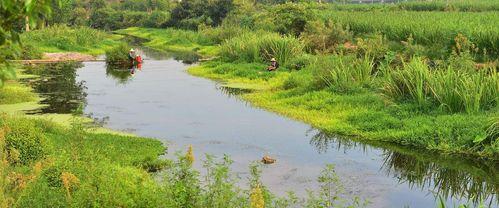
[(325, 37), (157, 19), (25, 142), (118, 56)]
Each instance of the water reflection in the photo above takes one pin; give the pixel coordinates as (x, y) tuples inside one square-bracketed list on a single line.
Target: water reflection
[(232, 91), (444, 175), (122, 75), (58, 86)]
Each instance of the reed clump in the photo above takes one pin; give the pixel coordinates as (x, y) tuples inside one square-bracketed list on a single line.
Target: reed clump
[(452, 89), (257, 47)]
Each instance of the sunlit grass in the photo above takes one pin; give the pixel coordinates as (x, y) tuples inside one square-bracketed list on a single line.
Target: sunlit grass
[(14, 92), (66, 39)]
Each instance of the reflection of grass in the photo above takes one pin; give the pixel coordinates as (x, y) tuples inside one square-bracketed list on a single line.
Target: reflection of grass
[(446, 175)]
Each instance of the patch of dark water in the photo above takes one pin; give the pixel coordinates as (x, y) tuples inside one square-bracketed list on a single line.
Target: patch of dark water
[(56, 84), (465, 178)]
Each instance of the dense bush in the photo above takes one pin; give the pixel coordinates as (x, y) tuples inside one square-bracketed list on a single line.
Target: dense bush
[(325, 37), (118, 56), (25, 140), (156, 19), (189, 14)]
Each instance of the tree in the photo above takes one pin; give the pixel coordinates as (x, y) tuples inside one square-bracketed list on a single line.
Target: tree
[(190, 14), (12, 13)]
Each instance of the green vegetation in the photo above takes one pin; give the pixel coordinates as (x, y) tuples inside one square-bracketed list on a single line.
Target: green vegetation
[(425, 5), (428, 28), (417, 74), (354, 81), (118, 56), (62, 38), (13, 92), (172, 40)]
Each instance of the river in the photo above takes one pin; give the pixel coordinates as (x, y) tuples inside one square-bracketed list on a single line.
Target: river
[(163, 101)]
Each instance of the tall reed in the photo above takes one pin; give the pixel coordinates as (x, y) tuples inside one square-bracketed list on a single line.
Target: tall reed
[(254, 47), (343, 73), (453, 89)]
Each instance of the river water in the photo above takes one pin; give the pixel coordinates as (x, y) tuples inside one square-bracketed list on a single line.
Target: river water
[(163, 101)]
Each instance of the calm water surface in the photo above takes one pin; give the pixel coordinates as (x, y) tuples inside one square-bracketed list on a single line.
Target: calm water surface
[(162, 101)]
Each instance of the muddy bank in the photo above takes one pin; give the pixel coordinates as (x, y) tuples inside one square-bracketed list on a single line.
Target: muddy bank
[(61, 57)]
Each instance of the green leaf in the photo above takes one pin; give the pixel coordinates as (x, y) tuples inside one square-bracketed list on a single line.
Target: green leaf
[(479, 138)]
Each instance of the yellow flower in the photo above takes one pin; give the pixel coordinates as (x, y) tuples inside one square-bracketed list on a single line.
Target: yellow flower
[(190, 155), (256, 198)]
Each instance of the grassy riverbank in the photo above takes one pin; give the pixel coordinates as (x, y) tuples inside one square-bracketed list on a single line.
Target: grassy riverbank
[(67, 163), (65, 39), (362, 111)]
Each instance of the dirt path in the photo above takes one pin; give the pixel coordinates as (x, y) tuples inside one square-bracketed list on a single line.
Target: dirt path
[(60, 57)]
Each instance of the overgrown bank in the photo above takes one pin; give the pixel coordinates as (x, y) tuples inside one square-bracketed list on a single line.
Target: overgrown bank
[(344, 94), (45, 164)]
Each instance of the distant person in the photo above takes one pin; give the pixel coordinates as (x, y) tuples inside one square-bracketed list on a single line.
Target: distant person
[(131, 55), (274, 65)]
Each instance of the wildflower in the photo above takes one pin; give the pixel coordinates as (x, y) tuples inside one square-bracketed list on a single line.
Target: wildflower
[(69, 181), (256, 198), (190, 155)]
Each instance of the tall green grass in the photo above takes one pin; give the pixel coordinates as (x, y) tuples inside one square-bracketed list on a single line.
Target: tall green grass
[(427, 28), (493, 130), (452, 89), (261, 47), (343, 73), (59, 38)]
